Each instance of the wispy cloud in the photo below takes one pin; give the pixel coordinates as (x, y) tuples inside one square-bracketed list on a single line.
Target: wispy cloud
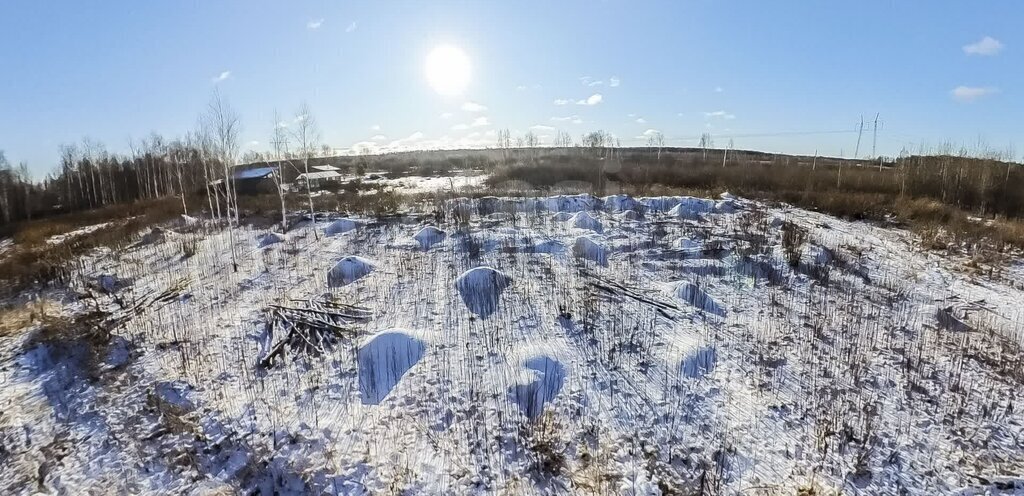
[(473, 107), (594, 99), (541, 127), (315, 24), (562, 101), (613, 82), (223, 76), (972, 93), (718, 89), (985, 46), (650, 132), (719, 114), (351, 27), (378, 137), (446, 115), (641, 120), (478, 122), (521, 88), (575, 119), (375, 127)]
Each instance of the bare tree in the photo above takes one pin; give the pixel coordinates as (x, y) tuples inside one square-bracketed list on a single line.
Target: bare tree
[(656, 140), (223, 125), (706, 142), (563, 139), (307, 135), (279, 140), (6, 183)]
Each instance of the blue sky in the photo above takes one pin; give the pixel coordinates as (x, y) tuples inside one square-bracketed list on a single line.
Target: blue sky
[(749, 71)]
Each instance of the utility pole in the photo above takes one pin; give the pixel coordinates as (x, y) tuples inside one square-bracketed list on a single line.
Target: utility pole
[(874, 137), (860, 130)]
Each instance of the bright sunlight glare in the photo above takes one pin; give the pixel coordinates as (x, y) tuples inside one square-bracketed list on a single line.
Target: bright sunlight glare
[(447, 70)]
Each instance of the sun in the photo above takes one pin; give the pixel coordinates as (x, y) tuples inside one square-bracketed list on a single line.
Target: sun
[(448, 70)]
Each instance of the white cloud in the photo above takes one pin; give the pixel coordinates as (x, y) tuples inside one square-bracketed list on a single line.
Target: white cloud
[(521, 88), (971, 93), (985, 46), (378, 137), (446, 115), (351, 27), (473, 107), (404, 143), (641, 120), (478, 122), (650, 132), (575, 119), (224, 75), (718, 89), (613, 82), (719, 114), (253, 143), (594, 99), (595, 83), (586, 79), (541, 127), (375, 127), (315, 24), (562, 101)]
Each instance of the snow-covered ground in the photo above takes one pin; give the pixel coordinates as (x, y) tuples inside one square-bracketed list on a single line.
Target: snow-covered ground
[(644, 346)]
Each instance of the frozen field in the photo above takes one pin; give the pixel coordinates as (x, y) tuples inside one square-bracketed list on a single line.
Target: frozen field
[(668, 345)]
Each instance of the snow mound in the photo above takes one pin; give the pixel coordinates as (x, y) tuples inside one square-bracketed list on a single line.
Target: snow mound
[(687, 244), (725, 207), (156, 235), (570, 203), (539, 382), (189, 220), (348, 270), (660, 203), (341, 226), (176, 395), (549, 246), (697, 358), (690, 293), (270, 238), (429, 236), (631, 215), (586, 248), (480, 289), (692, 208), (583, 220), (561, 217), (383, 359), (619, 203), (488, 205), (727, 196)]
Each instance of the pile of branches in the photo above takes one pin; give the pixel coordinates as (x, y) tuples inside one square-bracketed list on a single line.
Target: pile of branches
[(308, 327)]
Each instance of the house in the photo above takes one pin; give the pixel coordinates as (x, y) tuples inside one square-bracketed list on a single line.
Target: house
[(316, 179), (255, 181)]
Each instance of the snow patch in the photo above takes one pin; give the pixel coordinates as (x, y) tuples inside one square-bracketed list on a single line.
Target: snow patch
[(697, 297), (429, 236), (539, 382), (271, 238), (692, 208), (383, 359), (480, 289), (583, 220), (697, 358), (587, 248), (349, 270), (341, 226)]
